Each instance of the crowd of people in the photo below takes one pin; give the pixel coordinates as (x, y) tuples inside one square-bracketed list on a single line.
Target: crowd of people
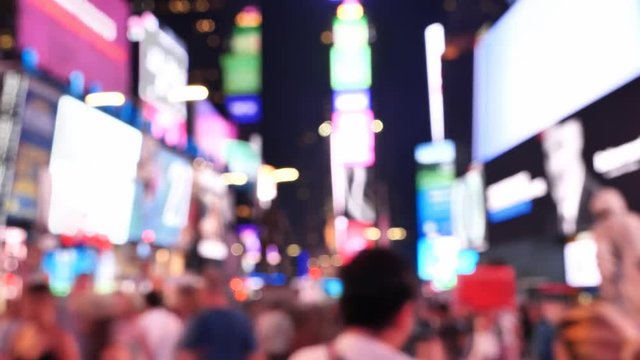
[(380, 315)]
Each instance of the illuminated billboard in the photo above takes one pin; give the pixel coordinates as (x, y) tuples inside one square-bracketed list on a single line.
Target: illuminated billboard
[(34, 148), (212, 132), (93, 169), (83, 36), (163, 195), (352, 139), (527, 77)]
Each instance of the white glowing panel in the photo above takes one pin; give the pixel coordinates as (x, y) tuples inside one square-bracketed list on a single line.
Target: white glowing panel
[(352, 139), (545, 60), (580, 262), (93, 169)]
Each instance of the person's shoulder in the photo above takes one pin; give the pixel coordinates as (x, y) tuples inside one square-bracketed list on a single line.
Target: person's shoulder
[(316, 352)]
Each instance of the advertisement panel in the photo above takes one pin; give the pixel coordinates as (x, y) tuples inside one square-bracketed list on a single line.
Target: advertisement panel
[(212, 132), (526, 78), (34, 149), (162, 196), (93, 171), (78, 36)]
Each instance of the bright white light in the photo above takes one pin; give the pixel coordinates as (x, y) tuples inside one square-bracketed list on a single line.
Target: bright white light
[(92, 181), (396, 233), (514, 190), (351, 100), (325, 129), (266, 188), (377, 126), (434, 41), (440, 152), (234, 178), (111, 98), (352, 140), (619, 160), (285, 175), (580, 262), (189, 93), (213, 249), (525, 56)]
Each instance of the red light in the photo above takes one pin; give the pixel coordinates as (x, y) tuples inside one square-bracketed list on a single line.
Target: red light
[(315, 273), (240, 296), (236, 284)]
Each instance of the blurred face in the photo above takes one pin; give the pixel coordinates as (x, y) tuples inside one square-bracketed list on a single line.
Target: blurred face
[(39, 308), (404, 324)]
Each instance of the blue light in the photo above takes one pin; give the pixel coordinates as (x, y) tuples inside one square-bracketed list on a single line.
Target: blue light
[(511, 212), (333, 287), (76, 83), (244, 109), (30, 59)]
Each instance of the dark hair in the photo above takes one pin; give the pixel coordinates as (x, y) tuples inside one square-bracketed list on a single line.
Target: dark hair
[(38, 290), (153, 299), (377, 283)]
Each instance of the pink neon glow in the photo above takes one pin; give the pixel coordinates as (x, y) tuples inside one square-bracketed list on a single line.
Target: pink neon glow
[(352, 139), (212, 131)]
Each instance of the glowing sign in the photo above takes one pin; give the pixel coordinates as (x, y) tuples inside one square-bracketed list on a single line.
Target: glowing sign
[(352, 100), (581, 263), (244, 109), (70, 35), (513, 196), (93, 169), (353, 139), (212, 132), (525, 56), (350, 68)]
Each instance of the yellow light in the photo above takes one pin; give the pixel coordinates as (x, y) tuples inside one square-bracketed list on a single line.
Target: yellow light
[(205, 25), (293, 250), (377, 126), (350, 11), (326, 37), (285, 175), (6, 41), (396, 233), (235, 178), (372, 233), (163, 255), (250, 17), (237, 249), (189, 93), (325, 129), (111, 98)]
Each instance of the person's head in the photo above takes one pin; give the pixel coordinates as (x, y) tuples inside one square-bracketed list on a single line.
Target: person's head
[(213, 288), (562, 146), (153, 299), (379, 290), (39, 304)]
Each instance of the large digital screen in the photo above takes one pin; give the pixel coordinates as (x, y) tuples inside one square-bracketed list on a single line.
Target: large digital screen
[(33, 150), (212, 132), (163, 195), (544, 185), (537, 65), (88, 36), (93, 171)]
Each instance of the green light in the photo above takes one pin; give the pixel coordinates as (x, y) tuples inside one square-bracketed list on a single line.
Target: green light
[(350, 68), (242, 74)]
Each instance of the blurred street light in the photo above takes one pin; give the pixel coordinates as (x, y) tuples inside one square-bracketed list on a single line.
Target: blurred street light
[(189, 93), (111, 98)]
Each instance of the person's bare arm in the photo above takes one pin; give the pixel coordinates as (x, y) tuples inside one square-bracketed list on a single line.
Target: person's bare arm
[(256, 355), (69, 347)]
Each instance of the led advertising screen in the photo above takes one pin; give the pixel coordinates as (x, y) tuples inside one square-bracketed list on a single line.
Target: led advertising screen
[(93, 171), (212, 132), (544, 186), (163, 195), (34, 148), (527, 77), (88, 36)]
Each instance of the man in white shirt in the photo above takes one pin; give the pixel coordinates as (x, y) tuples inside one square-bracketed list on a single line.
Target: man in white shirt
[(377, 307), (160, 328)]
